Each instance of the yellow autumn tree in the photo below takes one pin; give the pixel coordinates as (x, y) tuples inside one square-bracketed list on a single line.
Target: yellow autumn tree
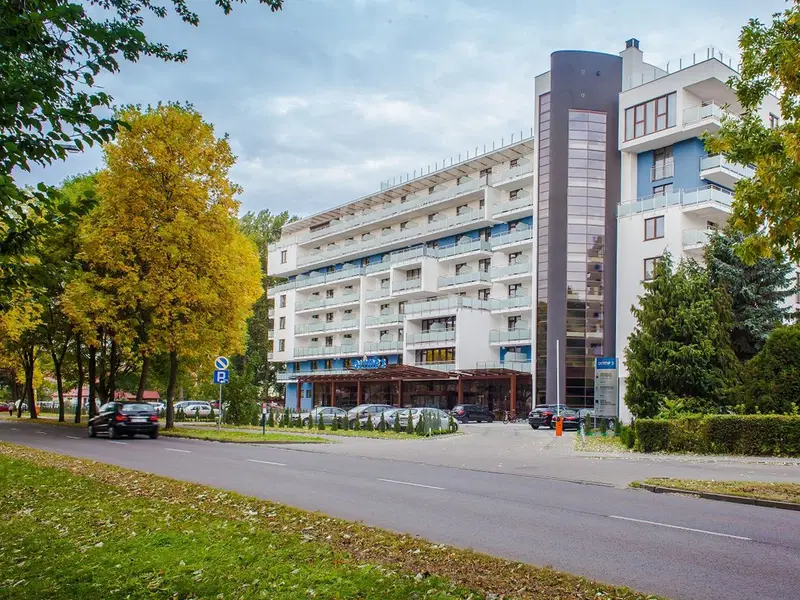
[(164, 242)]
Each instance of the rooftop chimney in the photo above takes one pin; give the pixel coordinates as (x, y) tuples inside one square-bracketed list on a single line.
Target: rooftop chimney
[(632, 43)]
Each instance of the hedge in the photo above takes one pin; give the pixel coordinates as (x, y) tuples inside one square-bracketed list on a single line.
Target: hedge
[(752, 435)]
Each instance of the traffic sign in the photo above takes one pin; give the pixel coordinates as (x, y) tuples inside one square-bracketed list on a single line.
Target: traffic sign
[(221, 363), (221, 376)]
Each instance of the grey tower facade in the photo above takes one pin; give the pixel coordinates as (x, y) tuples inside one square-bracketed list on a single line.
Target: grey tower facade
[(577, 168)]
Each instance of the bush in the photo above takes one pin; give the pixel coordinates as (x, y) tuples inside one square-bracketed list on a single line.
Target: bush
[(345, 424), (310, 422), (382, 423), (368, 426), (772, 378), (451, 424), (320, 423), (420, 428), (356, 424), (410, 425), (335, 424), (396, 427), (271, 419), (627, 435), (753, 435)]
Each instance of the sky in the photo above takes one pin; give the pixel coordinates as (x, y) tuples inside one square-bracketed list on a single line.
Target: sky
[(327, 98)]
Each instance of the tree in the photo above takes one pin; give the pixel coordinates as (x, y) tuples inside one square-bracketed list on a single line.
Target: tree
[(758, 291), (772, 379), (680, 347), (767, 206), (51, 57)]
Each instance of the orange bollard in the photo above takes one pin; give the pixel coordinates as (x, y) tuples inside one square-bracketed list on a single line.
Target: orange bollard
[(559, 427)]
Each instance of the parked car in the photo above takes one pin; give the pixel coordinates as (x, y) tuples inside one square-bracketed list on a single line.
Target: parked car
[(569, 417), (159, 407), (329, 413), (125, 418), (192, 408), (417, 413), (364, 410), (541, 416), (6, 407), (388, 415), (464, 413)]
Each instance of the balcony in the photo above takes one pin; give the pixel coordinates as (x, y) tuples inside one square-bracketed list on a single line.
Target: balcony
[(695, 240), (321, 303), (385, 320), (473, 278), (326, 326), (513, 176), (662, 171), (277, 289), (373, 217), (271, 335), (443, 366), (443, 306), (270, 356), (521, 206), (709, 201), (513, 239), (519, 270), (695, 121), (511, 303), (319, 351), (408, 285), (377, 294), (502, 337), (718, 169), (522, 367), (393, 346), (271, 312), (286, 377), (464, 248), (431, 338)]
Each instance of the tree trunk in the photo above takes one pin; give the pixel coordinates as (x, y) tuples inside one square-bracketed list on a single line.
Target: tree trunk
[(79, 358), (15, 391), (113, 365), (143, 379), (173, 376), (92, 381), (59, 386), (29, 362)]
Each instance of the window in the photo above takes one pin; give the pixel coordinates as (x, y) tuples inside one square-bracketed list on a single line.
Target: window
[(386, 230), (651, 116), (512, 195), (484, 264), (328, 341), (512, 225), (460, 267), (440, 324), (514, 163), (514, 258), (661, 190), (484, 294), (514, 290), (485, 234), (431, 217), (512, 322), (347, 337), (413, 274), (382, 332), (711, 225), (481, 203), (365, 261), (348, 363), (296, 366), (348, 289), (329, 293), (485, 172), (654, 228), (461, 180), (438, 355), (330, 269), (663, 165), (431, 189), (328, 363), (281, 345), (348, 313), (774, 121), (385, 283), (284, 254), (282, 301), (384, 307), (401, 307), (650, 267), (403, 225), (460, 210), (314, 365), (403, 200), (314, 340), (315, 317), (329, 317), (282, 323)]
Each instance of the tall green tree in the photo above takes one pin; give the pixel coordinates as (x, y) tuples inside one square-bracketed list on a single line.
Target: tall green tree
[(758, 291), (767, 206), (680, 349), (772, 379)]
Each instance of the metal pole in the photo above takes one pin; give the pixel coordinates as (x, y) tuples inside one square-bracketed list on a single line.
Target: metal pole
[(219, 416), (558, 378)]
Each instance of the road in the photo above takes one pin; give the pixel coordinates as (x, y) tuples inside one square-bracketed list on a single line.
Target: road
[(678, 547)]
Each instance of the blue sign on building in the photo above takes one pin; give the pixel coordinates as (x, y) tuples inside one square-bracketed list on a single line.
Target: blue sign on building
[(605, 363), (370, 363)]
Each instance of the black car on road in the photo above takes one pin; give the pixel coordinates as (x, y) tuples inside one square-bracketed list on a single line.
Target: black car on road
[(464, 413), (119, 419), (542, 416)]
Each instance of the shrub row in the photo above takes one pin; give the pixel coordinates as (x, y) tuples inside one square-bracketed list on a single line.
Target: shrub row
[(753, 435)]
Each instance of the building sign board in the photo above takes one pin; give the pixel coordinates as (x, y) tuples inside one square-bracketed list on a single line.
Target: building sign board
[(606, 387), (369, 363)]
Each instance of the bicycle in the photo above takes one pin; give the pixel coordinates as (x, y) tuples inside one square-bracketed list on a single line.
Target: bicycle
[(510, 417)]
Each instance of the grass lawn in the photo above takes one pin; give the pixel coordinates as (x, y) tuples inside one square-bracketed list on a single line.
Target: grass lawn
[(75, 529), (598, 443), (783, 492), (243, 436)]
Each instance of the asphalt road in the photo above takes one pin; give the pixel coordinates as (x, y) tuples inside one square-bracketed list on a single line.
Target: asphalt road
[(681, 548)]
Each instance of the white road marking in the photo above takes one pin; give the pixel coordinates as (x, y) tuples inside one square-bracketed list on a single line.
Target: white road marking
[(178, 450), (113, 442), (422, 485), (265, 462), (14, 429), (727, 535), (74, 437), (42, 432)]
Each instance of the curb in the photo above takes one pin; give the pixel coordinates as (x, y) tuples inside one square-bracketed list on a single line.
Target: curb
[(721, 497)]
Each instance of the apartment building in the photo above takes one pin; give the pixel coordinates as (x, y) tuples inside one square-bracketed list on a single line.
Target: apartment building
[(499, 278)]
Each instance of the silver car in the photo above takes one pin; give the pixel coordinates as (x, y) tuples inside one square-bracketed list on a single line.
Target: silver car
[(329, 413)]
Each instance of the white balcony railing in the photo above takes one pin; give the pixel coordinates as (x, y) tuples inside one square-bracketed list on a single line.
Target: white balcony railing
[(271, 335), (510, 303), (683, 62), (696, 237), (520, 268), (521, 202), (706, 194), (523, 168), (463, 279), (523, 367), (431, 337), (512, 237), (320, 303), (390, 319), (444, 366), (312, 351), (451, 303), (502, 336), (344, 324), (381, 292), (464, 248), (662, 171), (407, 285), (694, 114), (721, 162), (392, 346)]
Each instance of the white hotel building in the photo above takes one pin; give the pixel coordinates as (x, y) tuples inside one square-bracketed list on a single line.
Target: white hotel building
[(497, 278)]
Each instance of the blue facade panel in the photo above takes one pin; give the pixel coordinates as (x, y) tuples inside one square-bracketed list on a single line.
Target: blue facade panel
[(526, 350), (686, 156)]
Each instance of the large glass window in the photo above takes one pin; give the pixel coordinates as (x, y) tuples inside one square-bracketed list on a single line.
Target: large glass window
[(654, 228), (651, 116), (542, 224)]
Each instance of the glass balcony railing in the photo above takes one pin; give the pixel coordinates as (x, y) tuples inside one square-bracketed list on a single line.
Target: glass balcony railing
[(443, 366), (694, 114), (381, 292), (520, 268), (390, 319), (511, 237), (325, 351), (523, 367), (464, 248), (523, 168), (503, 336), (464, 278), (664, 170), (327, 302), (510, 303), (407, 285), (451, 303), (707, 194), (431, 337), (304, 328), (388, 346), (519, 203), (696, 237), (721, 162)]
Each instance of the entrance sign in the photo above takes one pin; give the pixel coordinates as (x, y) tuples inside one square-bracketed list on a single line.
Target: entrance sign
[(606, 388), (221, 363), (370, 363)]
